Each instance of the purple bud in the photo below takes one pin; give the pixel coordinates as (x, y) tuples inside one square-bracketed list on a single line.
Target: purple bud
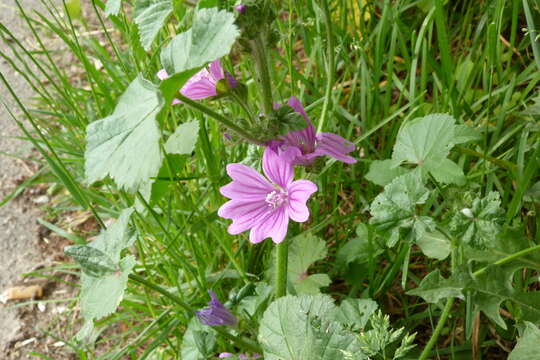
[(225, 355), (240, 8), (216, 314), (231, 80)]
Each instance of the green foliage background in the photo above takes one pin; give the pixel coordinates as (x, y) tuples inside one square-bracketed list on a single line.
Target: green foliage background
[(394, 69)]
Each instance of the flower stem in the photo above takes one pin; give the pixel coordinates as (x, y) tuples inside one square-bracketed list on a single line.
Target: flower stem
[(261, 63), (509, 258), (282, 257), (440, 325), (242, 343), (219, 118), (330, 66)]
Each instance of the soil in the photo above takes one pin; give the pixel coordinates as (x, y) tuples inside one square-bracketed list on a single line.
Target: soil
[(25, 246)]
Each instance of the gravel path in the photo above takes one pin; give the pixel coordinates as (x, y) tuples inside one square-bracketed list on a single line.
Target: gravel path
[(19, 252)]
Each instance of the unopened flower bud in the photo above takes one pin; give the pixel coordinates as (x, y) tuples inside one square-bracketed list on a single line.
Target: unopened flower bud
[(467, 212)]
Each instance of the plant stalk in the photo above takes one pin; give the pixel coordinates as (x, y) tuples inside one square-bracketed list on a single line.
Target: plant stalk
[(440, 325), (282, 250), (263, 73), (242, 343), (219, 118), (330, 66), (509, 258)]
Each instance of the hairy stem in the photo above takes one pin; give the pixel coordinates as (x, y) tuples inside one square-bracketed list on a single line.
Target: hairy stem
[(329, 64), (509, 258), (263, 74), (281, 269), (219, 118), (438, 329)]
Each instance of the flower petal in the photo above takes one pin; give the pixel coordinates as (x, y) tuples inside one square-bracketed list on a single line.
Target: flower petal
[(200, 86), (299, 192), (308, 133), (216, 70), (245, 214), (248, 177), (162, 74), (290, 154), (335, 146), (277, 169), (239, 190), (273, 225)]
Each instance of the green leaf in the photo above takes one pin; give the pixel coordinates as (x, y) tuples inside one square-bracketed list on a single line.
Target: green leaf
[(494, 287), (150, 15), (355, 313), (464, 133), (395, 208), (253, 305), (116, 238), (434, 287), (382, 172), (425, 141), (172, 85), (100, 296), (528, 344), (300, 260), (154, 190), (199, 341), (448, 172), (94, 262), (125, 145), (358, 250), (73, 8), (184, 138), (479, 225), (488, 292), (503, 245), (211, 37), (298, 328), (377, 342), (434, 245), (533, 193), (112, 7), (202, 4)]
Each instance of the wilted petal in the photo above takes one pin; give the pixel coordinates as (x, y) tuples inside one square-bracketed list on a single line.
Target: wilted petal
[(309, 132), (215, 313), (277, 169), (274, 226), (335, 146), (290, 154), (299, 193)]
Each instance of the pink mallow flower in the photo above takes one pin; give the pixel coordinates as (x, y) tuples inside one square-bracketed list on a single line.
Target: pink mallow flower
[(203, 84), (311, 145), (265, 205)]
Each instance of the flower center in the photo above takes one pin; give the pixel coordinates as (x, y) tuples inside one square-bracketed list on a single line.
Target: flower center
[(276, 198)]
